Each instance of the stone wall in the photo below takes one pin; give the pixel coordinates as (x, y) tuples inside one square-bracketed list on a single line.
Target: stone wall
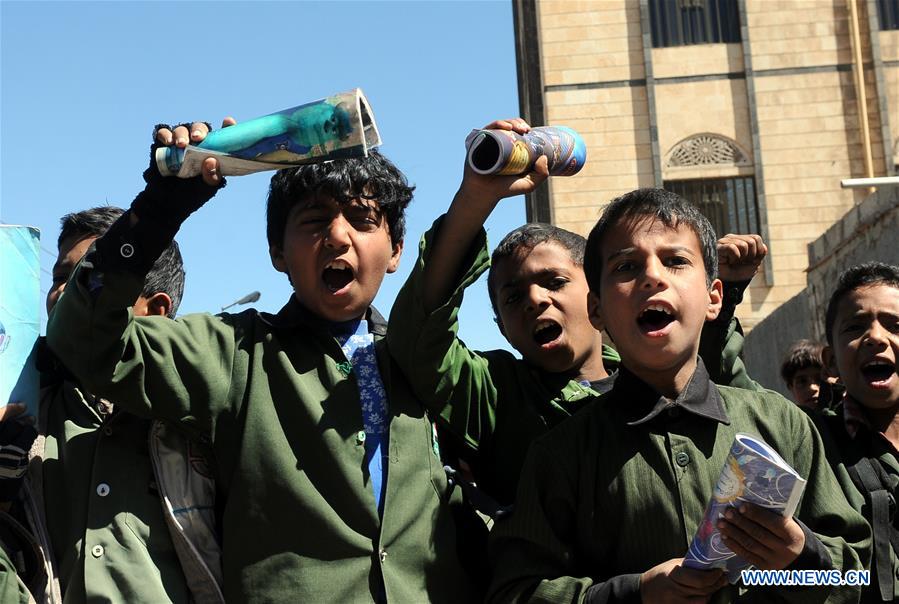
[(595, 70), (867, 232)]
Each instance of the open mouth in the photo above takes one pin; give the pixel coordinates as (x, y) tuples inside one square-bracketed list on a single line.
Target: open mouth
[(655, 318), (337, 275), (878, 372), (546, 332)]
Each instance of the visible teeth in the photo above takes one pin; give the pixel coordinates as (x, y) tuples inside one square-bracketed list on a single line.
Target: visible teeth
[(338, 265), (657, 307), (878, 364), (542, 326)]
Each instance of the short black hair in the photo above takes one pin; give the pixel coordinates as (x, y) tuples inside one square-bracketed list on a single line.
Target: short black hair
[(167, 274), (856, 277), (670, 208), (373, 177), (803, 354), (526, 238)]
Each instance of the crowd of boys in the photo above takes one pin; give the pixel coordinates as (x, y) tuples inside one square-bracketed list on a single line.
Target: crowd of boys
[(323, 453)]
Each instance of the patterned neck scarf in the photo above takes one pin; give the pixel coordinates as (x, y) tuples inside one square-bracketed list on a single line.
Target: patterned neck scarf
[(358, 347)]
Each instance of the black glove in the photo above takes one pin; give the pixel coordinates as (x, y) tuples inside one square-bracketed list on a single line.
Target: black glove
[(16, 439), (161, 208), (169, 200)]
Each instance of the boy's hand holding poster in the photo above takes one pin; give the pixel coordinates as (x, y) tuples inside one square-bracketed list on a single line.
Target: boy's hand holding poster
[(753, 473)]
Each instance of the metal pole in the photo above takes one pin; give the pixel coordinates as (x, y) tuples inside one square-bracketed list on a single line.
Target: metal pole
[(860, 90), (858, 183)]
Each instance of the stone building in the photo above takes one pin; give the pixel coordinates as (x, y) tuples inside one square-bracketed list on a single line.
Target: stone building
[(754, 109)]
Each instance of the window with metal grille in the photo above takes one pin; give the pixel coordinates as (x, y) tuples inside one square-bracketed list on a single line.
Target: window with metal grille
[(685, 22), (728, 203), (888, 13)]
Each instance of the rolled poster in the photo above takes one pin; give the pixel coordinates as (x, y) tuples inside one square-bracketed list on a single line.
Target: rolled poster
[(338, 127), (504, 152)]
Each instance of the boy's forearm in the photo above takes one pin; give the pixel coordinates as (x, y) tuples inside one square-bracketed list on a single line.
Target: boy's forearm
[(460, 227)]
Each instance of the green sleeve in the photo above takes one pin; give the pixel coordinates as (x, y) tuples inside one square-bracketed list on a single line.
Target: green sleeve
[(825, 510), (452, 381), (177, 370), (12, 590), (721, 344), (532, 551)]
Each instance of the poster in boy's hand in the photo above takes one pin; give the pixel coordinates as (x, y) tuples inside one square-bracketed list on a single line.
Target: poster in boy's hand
[(19, 315), (753, 473), (504, 152), (337, 127)]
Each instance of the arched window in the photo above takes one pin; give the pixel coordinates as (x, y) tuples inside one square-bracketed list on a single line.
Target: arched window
[(726, 193)]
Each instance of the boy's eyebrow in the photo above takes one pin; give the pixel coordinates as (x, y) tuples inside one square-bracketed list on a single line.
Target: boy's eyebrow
[(541, 273), (622, 252), (629, 250)]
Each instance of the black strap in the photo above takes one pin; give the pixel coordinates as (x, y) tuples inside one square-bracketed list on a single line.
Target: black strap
[(478, 499), (871, 479)]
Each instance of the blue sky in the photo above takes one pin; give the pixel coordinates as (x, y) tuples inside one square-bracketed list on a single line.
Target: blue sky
[(83, 83)]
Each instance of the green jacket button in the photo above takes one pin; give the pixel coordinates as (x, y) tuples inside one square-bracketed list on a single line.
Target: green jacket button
[(97, 551), (360, 437), (682, 459), (382, 555)]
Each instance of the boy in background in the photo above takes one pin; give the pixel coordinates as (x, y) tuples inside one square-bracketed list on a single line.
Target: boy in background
[(98, 493), (610, 499), (862, 432), (331, 482), (802, 371), (491, 404)]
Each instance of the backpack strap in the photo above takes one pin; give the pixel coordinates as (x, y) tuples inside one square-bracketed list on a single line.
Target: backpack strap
[(477, 498), (871, 479)]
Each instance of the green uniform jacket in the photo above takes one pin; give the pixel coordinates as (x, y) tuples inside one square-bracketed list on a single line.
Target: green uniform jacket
[(285, 427), (492, 402), (103, 511), (603, 501), (843, 451), (12, 590)]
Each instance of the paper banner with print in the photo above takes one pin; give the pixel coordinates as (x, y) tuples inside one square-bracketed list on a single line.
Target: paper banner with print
[(19, 314)]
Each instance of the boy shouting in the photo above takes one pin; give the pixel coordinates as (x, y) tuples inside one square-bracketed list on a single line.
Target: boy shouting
[(609, 501), (862, 328), (491, 404), (332, 488)]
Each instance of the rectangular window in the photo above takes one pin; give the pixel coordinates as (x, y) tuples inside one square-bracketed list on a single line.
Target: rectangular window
[(728, 203), (686, 22), (888, 13)]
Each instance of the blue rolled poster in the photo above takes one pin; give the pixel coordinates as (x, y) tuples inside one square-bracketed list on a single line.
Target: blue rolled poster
[(754, 473), (20, 303), (337, 127)]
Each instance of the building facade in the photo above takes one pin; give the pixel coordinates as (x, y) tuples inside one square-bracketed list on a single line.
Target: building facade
[(753, 109)]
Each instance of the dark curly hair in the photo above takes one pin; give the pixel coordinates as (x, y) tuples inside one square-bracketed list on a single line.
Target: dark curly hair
[(373, 177)]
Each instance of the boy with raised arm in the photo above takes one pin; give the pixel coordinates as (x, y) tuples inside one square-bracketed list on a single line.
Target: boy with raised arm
[(492, 404), (101, 476), (609, 500), (331, 482)]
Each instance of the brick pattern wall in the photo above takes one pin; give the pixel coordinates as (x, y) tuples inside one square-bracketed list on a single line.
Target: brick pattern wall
[(809, 136)]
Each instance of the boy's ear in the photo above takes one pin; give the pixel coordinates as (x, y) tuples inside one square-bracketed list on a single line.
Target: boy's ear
[(830, 363), (395, 257), (277, 256), (593, 312), (499, 323), (716, 296), (157, 305)]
